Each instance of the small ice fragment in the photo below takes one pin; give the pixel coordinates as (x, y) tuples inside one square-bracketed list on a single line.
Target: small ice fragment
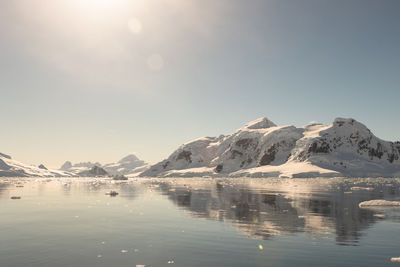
[(99, 256), (395, 259), (140, 265), (171, 262), (136, 250), (379, 216), (124, 251), (103, 242)]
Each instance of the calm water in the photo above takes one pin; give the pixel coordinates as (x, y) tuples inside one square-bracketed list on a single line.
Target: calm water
[(197, 222)]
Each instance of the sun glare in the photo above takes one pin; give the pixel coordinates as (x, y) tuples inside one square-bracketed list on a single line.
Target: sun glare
[(96, 4), (105, 7)]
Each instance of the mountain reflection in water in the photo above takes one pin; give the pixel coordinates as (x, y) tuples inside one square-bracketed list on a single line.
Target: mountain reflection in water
[(265, 208)]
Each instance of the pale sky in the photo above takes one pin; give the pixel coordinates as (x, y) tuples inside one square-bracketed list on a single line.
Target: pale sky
[(95, 80)]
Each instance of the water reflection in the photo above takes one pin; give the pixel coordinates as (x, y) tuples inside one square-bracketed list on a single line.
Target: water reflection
[(259, 208), (262, 209)]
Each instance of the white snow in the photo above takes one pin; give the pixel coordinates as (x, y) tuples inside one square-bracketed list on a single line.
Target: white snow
[(288, 170), (12, 168), (129, 165), (262, 149), (260, 123)]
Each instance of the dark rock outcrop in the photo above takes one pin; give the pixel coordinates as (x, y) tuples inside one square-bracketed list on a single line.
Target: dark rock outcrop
[(93, 172)]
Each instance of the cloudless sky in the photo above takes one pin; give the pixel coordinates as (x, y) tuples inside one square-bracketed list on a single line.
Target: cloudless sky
[(94, 80)]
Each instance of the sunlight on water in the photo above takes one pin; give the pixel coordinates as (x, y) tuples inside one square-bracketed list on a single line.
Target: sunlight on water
[(197, 222)]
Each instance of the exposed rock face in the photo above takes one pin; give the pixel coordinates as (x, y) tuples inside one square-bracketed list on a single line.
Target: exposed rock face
[(3, 165), (66, 166), (349, 147), (5, 156), (343, 148), (41, 166), (93, 172)]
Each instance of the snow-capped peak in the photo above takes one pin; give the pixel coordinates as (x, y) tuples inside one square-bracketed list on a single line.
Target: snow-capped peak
[(346, 147), (260, 123), (129, 158)]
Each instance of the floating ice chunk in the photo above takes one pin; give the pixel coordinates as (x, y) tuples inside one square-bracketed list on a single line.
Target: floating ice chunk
[(395, 259), (354, 188), (171, 262), (112, 193), (379, 203), (124, 251)]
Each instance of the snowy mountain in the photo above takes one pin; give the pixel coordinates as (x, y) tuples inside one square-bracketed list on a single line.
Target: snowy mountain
[(129, 165), (78, 167), (13, 168), (262, 149)]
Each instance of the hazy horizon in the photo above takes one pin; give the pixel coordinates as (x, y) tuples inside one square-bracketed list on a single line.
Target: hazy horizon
[(95, 80)]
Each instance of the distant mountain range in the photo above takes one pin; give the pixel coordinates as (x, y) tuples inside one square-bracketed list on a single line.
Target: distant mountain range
[(344, 148), (13, 168), (129, 165), (263, 149)]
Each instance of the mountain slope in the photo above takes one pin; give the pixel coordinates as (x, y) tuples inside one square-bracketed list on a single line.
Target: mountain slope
[(13, 168), (262, 149)]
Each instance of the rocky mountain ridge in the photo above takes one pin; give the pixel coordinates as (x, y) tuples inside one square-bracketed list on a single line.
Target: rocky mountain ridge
[(128, 165), (262, 149)]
